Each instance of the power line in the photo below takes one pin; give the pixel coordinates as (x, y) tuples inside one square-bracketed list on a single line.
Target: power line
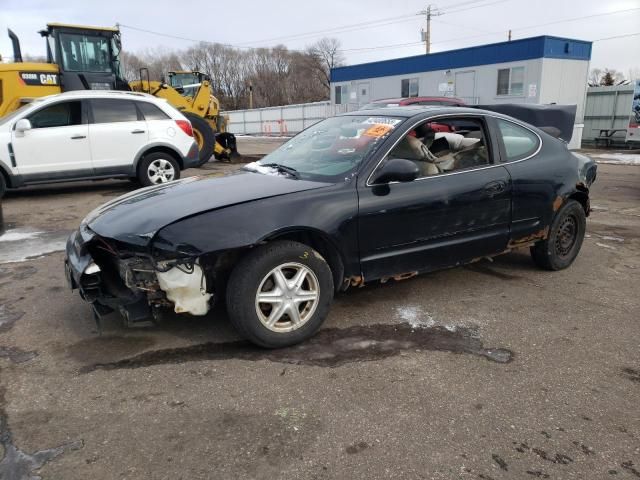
[(369, 24), (362, 25), (445, 10), (382, 47), (617, 36), (400, 45)]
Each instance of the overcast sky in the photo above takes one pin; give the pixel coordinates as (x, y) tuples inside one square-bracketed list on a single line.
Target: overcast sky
[(294, 23)]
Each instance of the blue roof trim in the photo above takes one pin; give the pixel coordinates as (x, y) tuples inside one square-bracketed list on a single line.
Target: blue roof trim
[(516, 50)]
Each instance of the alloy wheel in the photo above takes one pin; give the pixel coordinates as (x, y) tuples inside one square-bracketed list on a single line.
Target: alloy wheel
[(287, 297), (161, 171)]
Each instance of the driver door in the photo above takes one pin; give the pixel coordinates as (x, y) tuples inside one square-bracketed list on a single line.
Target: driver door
[(441, 219), (57, 145)]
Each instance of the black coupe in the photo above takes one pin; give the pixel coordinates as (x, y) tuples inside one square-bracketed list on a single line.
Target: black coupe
[(364, 196)]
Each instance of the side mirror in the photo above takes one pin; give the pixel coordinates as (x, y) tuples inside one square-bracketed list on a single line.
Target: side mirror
[(22, 125), (397, 170)]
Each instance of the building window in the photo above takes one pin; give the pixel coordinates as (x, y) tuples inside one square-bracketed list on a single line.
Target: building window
[(342, 94), (511, 81), (409, 87)]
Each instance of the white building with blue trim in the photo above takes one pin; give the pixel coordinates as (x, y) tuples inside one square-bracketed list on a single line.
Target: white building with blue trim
[(541, 69)]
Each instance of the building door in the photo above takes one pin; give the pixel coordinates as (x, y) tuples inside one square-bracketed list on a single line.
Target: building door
[(466, 86), (363, 93)]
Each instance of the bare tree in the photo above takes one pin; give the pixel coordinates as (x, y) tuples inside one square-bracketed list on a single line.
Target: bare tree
[(594, 77), (277, 75), (326, 55)]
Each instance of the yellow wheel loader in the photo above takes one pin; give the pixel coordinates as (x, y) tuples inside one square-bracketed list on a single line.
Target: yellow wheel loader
[(88, 58), (190, 92)]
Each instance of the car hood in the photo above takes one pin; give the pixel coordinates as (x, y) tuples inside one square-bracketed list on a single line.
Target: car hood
[(136, 217)]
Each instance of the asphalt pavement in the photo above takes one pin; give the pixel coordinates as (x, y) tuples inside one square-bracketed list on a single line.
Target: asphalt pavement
[(493, 371)]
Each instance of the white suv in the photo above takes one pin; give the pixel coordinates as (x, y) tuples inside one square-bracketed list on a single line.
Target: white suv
[(88, 135)]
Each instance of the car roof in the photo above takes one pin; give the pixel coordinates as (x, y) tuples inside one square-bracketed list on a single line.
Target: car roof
[(417, 99), (100, 94), (414, 110)]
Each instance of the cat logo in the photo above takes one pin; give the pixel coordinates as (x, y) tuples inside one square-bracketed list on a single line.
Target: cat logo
[(48, 79), (39, 78)]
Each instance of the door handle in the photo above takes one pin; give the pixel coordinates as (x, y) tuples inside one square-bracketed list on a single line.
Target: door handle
[(78, 137), (494, 188), (137, 131)]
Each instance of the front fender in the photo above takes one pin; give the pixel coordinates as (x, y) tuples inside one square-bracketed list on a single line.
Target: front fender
[(331, 212)]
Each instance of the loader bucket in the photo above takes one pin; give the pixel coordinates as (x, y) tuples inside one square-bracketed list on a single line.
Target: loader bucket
[(228, 142)]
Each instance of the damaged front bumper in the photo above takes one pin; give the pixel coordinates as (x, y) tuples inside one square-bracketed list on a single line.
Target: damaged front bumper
[(115, 277)]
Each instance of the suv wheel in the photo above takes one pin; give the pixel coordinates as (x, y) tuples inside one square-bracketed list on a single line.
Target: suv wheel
[(566, 234), (279, 294), (157, 168)]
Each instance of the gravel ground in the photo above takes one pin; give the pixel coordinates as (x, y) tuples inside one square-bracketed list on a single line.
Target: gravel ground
[(495, 371)]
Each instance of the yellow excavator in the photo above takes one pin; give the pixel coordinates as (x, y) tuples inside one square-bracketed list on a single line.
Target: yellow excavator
[(88, 58)]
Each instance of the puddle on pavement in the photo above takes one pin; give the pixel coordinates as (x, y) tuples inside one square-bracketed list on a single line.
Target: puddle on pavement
[(106, 348), (17, 355), (8, 316), (331, 347), (631, 374), (20, 244), (19, 465)]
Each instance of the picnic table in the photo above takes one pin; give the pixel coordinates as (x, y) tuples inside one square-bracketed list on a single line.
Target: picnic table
[(606, 135)]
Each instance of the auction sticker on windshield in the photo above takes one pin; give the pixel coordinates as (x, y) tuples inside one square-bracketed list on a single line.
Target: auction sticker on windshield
[(378, 130), (383, 121)]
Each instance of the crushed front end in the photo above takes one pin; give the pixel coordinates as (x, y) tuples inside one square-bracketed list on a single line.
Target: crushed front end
[(114, 276)]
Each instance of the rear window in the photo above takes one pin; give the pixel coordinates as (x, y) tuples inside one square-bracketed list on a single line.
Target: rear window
[(152, 112), (519, 142), (106, 110)]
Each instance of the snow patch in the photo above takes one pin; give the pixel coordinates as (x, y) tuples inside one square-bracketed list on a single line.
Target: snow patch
[(256, 167), (23, 244), (604, 245), (417, 317), (617, 158), (16, 236)]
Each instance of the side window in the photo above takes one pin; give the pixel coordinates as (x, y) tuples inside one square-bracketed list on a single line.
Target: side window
[(342, 94), (106, 110), (444, 145), (151, 112), (409, 87), (61, 114), (510, 81), (519, 142)]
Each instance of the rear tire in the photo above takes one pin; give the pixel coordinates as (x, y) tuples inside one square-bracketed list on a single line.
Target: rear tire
[(566, 235), (3, 185), (204, 136), (273, 282), (157, 168)]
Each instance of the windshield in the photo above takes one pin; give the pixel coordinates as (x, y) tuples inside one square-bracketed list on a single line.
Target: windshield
[(183, 79), (329, 150), (186, 83), (84, 53)]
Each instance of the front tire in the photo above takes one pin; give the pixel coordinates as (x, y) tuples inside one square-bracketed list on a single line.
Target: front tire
[(158, 168), (566, 235), (279, 294)]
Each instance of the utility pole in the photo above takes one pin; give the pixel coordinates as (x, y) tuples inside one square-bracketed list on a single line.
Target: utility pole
[(509, 35), (426, 35)]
